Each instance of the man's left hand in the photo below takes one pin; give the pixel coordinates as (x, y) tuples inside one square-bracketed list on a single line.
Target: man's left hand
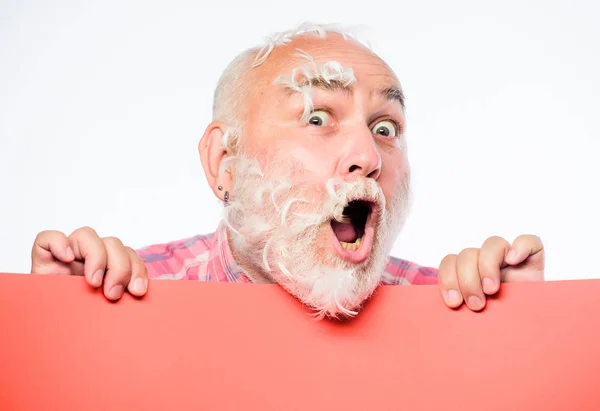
[(476, 273)]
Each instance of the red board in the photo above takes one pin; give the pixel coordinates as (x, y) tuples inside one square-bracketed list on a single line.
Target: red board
[(209, 346)]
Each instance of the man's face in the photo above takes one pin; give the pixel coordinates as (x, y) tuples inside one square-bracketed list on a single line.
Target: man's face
[(322, 183)]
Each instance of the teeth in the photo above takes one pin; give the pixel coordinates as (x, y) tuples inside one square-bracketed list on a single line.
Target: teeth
[(351, 246)]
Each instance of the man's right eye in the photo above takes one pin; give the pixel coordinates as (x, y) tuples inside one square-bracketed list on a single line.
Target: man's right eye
[(319, 118)]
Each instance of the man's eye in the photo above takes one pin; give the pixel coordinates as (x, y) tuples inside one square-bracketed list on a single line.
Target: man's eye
[(385, 128), (319, 118)]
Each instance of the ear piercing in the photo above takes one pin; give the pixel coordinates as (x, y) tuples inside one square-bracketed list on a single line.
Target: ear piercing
[(226, 196)]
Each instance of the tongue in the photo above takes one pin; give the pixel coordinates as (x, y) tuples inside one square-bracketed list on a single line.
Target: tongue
[(344, 231)]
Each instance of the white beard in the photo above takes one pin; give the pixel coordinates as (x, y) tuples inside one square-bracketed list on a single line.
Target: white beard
[(277, 230)]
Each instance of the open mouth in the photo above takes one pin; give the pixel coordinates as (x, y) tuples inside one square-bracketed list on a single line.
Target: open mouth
[(352, 227), (354, 233)]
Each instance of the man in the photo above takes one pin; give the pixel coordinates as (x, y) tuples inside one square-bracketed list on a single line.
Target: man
[(307, 152)]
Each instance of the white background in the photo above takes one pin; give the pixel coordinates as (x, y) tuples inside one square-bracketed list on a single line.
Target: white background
[(102, 106)]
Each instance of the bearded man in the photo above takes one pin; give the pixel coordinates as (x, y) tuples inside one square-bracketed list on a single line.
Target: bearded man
[(307, 152)]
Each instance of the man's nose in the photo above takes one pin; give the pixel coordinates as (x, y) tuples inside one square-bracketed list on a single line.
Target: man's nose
[(360, 156)]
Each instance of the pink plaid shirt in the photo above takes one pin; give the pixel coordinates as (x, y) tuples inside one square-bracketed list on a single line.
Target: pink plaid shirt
[(208, 258)]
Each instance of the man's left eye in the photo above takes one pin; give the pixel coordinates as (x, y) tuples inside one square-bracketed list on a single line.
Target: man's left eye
[(319, 118), (385, 128)]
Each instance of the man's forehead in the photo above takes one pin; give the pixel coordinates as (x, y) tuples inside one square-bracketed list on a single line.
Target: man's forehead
[(366, 66), (308, 63), (333, 47), (326, 72)]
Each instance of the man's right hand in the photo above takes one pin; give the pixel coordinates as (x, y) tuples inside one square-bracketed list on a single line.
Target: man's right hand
[(103, 261)]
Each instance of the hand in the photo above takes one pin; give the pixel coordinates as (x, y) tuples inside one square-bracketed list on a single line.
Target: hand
[(103, 261), (476, 273)]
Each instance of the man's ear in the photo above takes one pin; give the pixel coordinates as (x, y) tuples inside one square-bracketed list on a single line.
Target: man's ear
[(212, 153)]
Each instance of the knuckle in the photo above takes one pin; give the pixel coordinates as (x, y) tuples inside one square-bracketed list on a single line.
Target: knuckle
[(468, 253), (135, 257), (494, 240), (41, 234), (112, 242), (131, 252), (447, 260), (46, 234), (86, 230), (529, 238)]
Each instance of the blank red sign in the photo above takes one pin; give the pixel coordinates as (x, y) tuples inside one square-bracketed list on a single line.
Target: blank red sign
[(209, 346)]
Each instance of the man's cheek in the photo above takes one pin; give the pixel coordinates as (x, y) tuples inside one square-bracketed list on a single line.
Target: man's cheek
[(400, 174), (388, 185), (319, 165)]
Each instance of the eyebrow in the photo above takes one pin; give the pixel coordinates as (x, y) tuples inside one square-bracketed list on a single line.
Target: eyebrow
[(393, 94), (323, 84)]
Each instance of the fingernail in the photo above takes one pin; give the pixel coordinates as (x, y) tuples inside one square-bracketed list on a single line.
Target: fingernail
[(138, 286), (489, 286), (474, 302), (453, 298), (70, 253), (97, 278), (115, 292)]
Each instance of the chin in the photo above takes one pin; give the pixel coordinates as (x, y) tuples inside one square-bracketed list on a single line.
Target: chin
[(333, 293), (328, 284)]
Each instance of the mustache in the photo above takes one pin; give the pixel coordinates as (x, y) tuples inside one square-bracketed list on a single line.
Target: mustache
[(287, 202), (342, 193), (339, 195), (284, 197)]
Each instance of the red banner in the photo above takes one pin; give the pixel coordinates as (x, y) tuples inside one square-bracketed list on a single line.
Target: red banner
[(210, 346)]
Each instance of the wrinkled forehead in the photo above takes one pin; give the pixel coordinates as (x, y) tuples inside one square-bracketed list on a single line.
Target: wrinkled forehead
[(330, 63)]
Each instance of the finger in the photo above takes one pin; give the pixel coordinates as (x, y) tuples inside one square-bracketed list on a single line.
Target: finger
[(118, 268), (89, 248), (139, 275), (448, 282), (491, 259), (469, 280), (527, 261), (50, 245), (523, 247)]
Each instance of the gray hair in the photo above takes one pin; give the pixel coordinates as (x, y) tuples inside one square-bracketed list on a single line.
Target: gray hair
[(231, 88)]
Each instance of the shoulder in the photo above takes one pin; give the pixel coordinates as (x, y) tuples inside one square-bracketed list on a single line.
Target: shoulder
[(173, 260), (403, 272)]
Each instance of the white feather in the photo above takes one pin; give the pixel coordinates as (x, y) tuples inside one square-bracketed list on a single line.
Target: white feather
[(287, 206)]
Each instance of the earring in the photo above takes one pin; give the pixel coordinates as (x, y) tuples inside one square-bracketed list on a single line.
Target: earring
[(226, 197), (220, 188)]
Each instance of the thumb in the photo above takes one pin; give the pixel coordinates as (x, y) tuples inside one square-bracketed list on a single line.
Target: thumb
[(523, 248), (51, 245)]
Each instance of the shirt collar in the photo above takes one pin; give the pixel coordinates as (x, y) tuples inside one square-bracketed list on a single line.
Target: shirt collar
[(231, 270)]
